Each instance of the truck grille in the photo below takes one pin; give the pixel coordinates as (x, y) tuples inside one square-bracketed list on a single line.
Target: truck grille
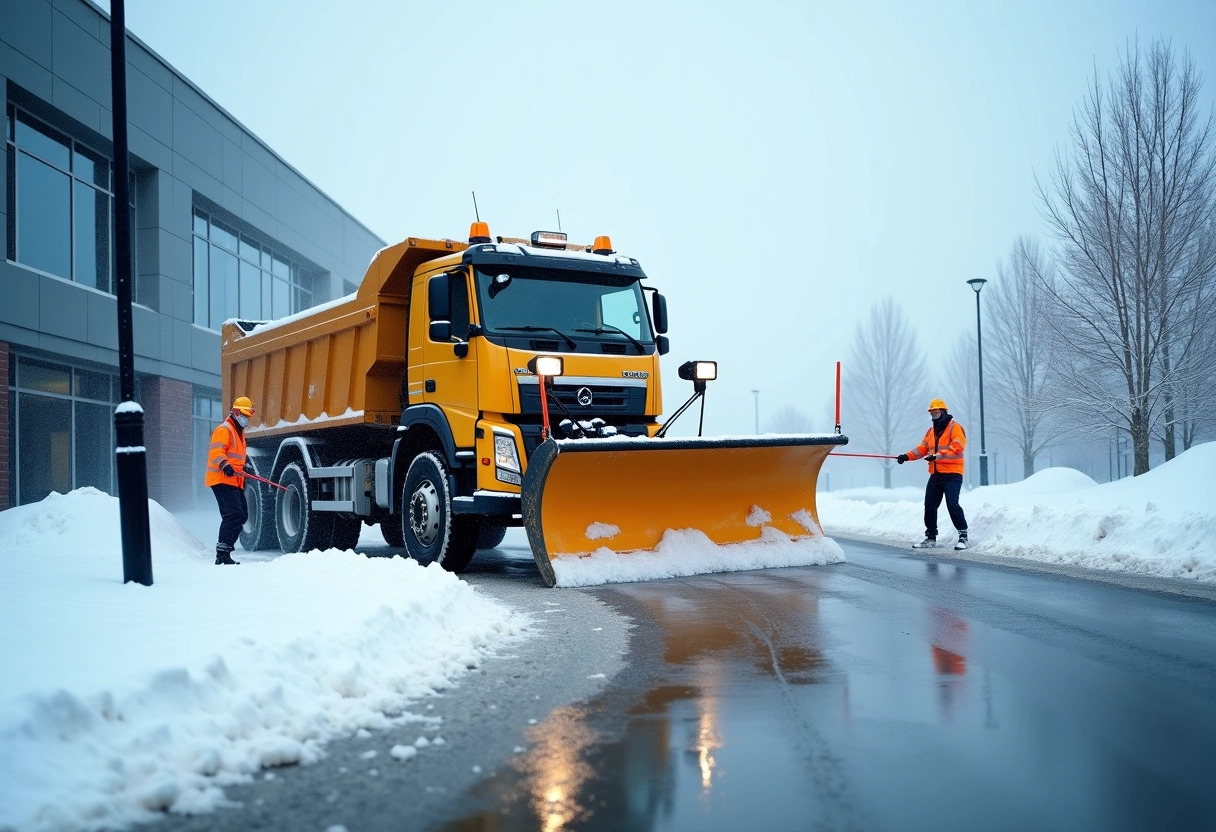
[(607, 401)]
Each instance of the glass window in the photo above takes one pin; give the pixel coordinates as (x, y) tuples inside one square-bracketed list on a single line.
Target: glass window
[(44, 221), (249, 250), (92, 237), (251, 291), (202, 293), (91, 385), (93, 446), (43, 142), (224, 280), (66, 234), (253, 284), (45, 378), (458, 288), (221, 236), (620, 310), (282, 299), (91, 167), (44, 446), (267, 295)]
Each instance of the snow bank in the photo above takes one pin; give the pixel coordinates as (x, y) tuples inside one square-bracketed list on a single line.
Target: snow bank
[(119, 701), (1161, 523), (690, 552)]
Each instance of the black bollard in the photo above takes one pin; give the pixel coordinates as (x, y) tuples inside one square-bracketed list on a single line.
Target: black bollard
[(133, 493)]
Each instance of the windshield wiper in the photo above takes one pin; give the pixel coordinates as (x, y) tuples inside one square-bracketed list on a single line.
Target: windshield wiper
[(569, 341), (606, 328)]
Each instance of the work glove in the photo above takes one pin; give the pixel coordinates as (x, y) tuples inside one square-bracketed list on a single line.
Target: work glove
[(228, 470), (901, 459), (931, 457)]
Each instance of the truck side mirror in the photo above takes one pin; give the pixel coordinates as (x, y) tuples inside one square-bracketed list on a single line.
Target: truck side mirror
[(658, 304), (439, 301), (441, 331), (663, 344)]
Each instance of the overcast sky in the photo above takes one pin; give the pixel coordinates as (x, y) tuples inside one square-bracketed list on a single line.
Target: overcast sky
[(775, 167)]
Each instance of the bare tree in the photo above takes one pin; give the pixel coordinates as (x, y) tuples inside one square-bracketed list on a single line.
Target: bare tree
[(1133, 210), (1020, 350), (790, 419), (884, 383)]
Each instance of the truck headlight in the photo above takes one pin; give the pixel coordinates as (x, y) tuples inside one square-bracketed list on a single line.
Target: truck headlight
[(506, 459)]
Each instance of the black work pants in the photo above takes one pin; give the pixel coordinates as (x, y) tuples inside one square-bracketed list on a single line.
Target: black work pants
[(233, 514), (948, 486)]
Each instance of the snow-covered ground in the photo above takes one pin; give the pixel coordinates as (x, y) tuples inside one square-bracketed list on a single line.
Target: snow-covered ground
[(120, 701), (1162, 523)]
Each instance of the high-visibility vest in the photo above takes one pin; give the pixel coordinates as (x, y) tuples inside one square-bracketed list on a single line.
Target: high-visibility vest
[(948, 447), (227, 443)]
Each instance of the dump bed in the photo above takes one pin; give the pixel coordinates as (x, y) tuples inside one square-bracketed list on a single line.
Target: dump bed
[(337, 364)]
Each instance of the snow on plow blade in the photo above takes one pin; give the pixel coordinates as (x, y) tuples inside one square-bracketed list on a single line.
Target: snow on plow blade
[(628, 509)]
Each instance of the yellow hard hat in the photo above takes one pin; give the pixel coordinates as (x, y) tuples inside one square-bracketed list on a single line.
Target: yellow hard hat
[(243, 405), (937, 404)]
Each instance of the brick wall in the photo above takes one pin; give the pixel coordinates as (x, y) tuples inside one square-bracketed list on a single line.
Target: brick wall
[(5, 437), (167, 405)]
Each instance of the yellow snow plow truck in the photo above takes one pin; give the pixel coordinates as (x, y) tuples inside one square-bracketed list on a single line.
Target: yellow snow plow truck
[(468, 387)]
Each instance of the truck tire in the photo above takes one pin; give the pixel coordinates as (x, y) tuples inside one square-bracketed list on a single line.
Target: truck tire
[(491, 535), (346, 532), (300, 529), (430, 531), (391, 529), (258, 531)]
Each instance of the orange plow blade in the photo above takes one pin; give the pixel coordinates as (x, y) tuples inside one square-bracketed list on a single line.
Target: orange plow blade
[(628, 509)]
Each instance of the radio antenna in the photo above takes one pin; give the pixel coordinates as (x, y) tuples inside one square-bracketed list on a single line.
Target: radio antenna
[(476, 215), (559, 219)]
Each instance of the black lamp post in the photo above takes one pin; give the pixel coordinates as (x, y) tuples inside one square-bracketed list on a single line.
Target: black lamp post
[(129, 416), (977, 284)]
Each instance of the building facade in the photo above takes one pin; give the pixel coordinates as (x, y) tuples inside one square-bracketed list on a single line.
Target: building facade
[(221, 226)]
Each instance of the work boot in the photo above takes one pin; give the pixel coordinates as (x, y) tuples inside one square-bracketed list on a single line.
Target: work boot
[(224, 558), (930, 542)]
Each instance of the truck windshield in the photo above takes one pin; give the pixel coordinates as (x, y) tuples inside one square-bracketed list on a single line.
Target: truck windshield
[(514, 299)]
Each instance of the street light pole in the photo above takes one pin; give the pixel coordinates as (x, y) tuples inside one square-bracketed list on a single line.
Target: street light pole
[(977, 284), (756, 394), (131, 462)]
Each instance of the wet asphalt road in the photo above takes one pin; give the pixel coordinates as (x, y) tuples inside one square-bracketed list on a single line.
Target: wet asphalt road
[(893, 692)]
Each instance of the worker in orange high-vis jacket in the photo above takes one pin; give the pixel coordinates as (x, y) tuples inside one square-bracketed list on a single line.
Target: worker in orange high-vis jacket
[(226, 477), (943, 447)]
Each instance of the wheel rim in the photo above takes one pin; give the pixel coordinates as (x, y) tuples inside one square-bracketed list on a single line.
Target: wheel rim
[(424, 513), (290, 514)]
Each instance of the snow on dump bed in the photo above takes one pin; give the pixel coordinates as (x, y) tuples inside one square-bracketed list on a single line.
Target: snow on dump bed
[(117, 701), (690, 552), (1160, 523)]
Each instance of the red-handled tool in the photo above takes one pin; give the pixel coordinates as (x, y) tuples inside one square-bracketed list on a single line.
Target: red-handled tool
[(263, 479)]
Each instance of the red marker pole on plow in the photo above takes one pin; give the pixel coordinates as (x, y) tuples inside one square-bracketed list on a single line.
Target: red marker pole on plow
[(837, 453)]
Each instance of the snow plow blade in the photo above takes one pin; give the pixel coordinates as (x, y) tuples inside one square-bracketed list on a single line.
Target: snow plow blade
[(627, 509)]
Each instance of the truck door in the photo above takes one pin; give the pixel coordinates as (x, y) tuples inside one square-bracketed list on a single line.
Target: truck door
[(450, 381)]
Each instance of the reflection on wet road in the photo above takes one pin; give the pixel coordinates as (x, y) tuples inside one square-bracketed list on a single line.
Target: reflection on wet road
[(890, 692)]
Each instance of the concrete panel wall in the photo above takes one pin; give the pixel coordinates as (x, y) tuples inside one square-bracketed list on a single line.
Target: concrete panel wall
[(186, 150)]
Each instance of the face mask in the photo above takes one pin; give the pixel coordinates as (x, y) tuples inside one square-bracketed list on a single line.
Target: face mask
[(242, 420)]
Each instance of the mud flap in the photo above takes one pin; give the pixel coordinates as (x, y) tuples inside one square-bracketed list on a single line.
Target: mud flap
[(595, 499)]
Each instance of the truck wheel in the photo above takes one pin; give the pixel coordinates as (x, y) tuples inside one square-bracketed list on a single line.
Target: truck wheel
[(346, 532), (391, 529), (490, 536), (258, 531), (430, 532), (300, 529)]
